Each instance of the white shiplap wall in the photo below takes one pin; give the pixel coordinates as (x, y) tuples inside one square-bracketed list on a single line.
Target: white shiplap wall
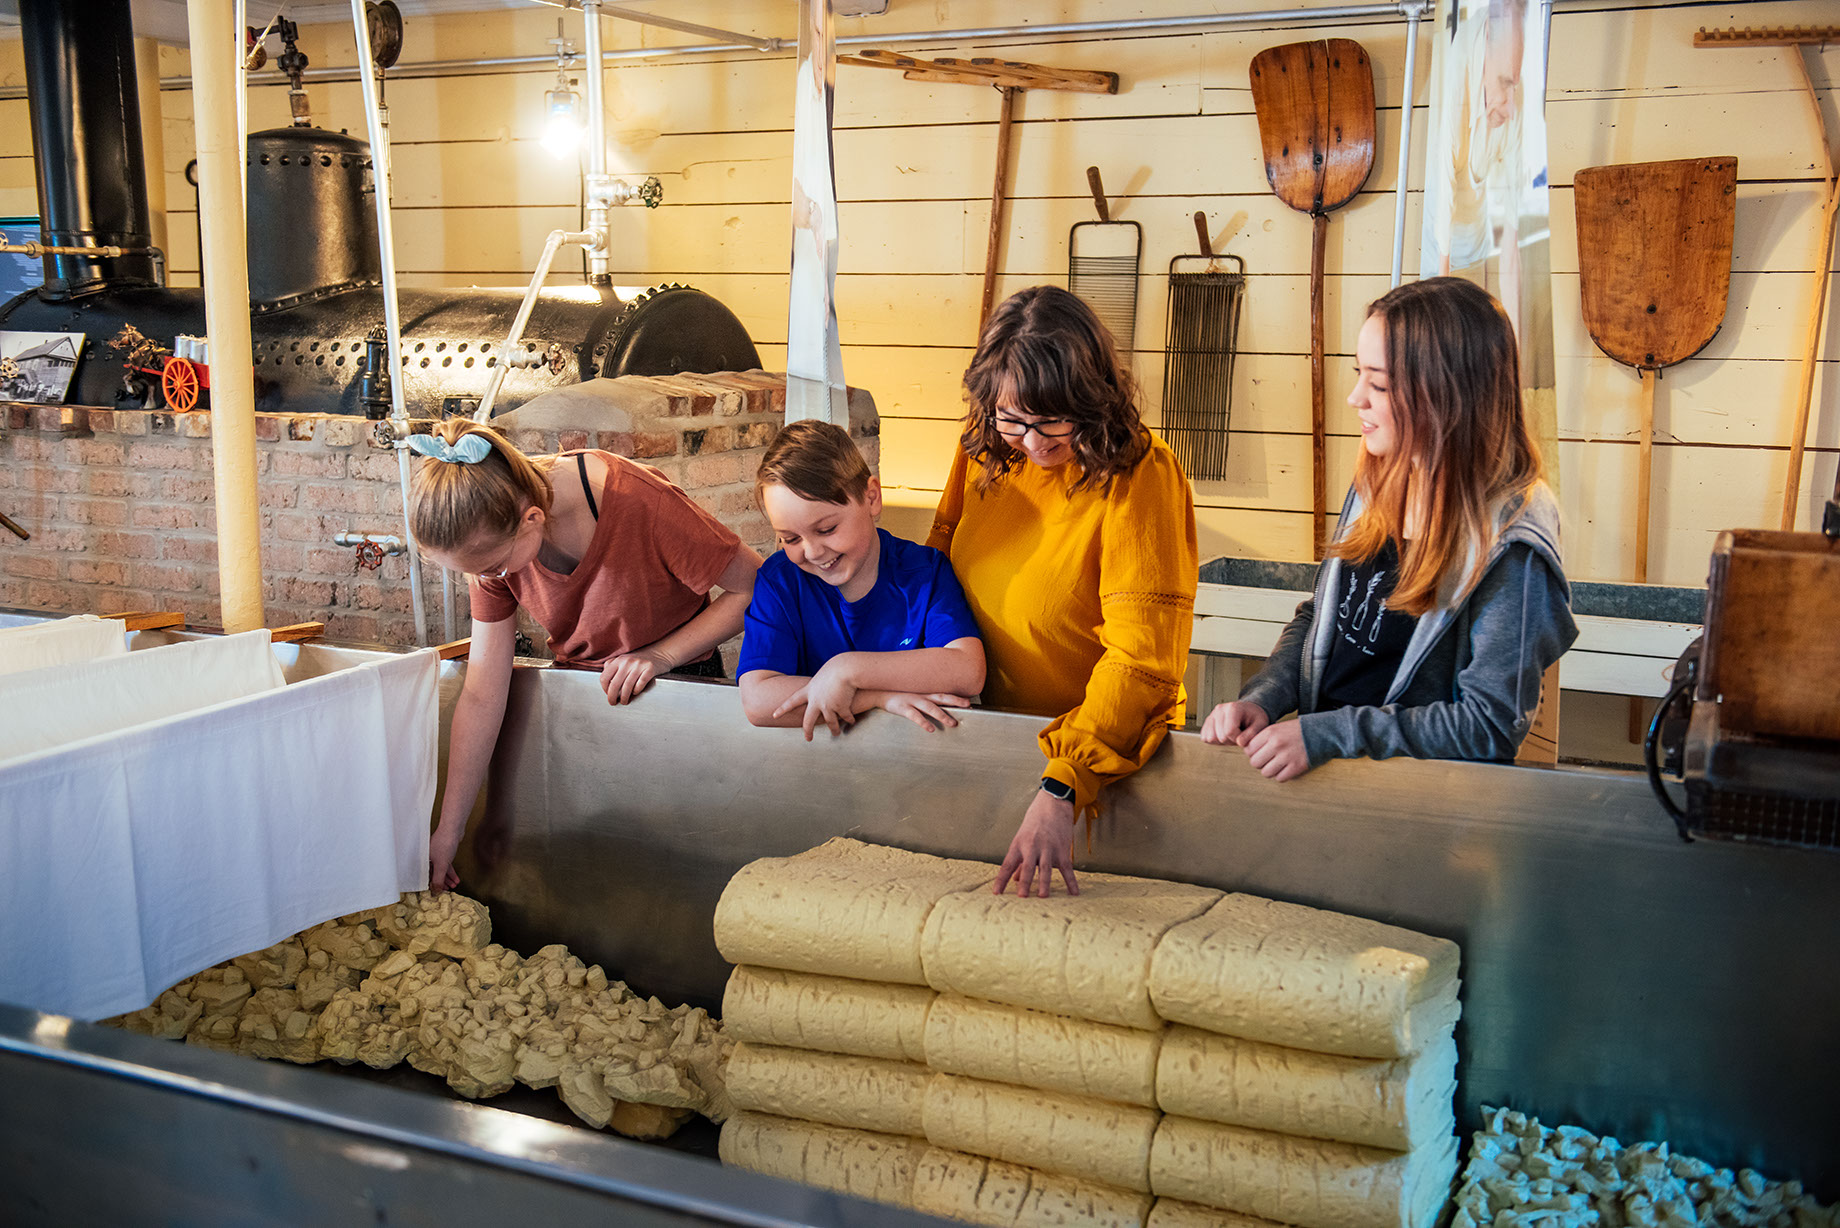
[(475, 196)]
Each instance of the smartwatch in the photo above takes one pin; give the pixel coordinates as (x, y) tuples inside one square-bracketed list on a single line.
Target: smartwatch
[(1056, 790)]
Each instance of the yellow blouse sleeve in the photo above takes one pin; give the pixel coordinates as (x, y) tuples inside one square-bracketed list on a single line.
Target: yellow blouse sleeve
[(1147, 574), (951, 504)]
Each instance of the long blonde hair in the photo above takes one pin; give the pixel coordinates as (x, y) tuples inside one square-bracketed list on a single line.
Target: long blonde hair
[(452, 503), (1454, 381)]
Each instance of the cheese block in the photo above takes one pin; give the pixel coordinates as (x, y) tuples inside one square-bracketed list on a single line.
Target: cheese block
[(1312, 1183), (1086, 955), (1094, 1139), (875, 1166), (1307, 979), (1397, 1103), (863, 1093), (844, 908), (1056, 1053), (978, 1190), (1174, 1213), (771, 1006)]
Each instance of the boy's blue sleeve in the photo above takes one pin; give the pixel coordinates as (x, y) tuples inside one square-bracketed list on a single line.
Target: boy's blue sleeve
[(771, 634), (948, 615)]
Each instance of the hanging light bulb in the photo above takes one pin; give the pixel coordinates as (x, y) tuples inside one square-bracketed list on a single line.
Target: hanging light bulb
[(563, 133), (562, 130)]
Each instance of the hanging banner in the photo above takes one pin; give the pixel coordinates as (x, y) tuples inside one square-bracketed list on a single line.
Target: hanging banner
[(814, 354), (1487, 214)]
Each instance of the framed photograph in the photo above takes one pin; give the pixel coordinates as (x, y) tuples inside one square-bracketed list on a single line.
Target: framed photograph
[(38, 366)]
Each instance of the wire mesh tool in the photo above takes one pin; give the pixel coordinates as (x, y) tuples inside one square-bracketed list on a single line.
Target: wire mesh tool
[(1201, 343), (1102, 260)]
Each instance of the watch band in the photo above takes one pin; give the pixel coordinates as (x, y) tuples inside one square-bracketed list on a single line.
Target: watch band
[(1057, 790)]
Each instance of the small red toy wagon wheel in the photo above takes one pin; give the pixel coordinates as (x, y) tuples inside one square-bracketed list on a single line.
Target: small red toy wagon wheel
[(179, 381)]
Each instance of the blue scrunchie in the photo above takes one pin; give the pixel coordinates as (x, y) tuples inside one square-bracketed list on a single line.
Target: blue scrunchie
[(469, 451)]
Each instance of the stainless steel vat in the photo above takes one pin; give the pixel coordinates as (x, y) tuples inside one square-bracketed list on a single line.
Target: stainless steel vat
[(1614, 977)]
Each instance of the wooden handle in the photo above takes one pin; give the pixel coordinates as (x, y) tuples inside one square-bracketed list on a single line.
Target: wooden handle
[(1645, 449), (1319, 481), (14, 529), (1201, 232), (996, 204), (455, 648), (151, 620), (294, 633), (1792, 488), (1098, 193)]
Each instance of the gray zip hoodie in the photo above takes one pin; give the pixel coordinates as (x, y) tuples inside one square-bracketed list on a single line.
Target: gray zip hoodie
[(1470, 678)]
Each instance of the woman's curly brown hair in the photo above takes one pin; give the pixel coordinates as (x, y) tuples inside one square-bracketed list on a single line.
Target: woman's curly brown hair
[(1047, 347)]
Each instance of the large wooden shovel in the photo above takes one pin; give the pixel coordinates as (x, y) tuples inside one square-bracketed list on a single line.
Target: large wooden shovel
[(1654, 270), (1315, 104)]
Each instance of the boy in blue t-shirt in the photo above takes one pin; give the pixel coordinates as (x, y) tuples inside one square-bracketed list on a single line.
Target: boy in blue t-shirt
[(847, 617)]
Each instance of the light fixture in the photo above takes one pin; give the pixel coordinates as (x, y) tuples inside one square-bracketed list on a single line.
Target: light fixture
[(563, 133)]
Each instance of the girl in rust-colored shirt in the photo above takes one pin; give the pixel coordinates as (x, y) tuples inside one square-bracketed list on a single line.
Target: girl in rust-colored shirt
[(613, 560)]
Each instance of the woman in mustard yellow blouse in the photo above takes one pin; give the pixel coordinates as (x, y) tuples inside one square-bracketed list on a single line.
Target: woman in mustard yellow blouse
[(1072, 529)]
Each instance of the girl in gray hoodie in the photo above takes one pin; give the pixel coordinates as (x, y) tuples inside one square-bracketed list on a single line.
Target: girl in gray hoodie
[(1442, 601)]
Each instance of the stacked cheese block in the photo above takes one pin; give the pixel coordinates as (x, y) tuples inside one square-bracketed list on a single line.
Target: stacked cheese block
[(912, 1038)]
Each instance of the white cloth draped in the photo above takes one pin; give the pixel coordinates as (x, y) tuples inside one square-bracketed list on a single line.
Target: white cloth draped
[(136, 857), (60, 704), (63, 641)]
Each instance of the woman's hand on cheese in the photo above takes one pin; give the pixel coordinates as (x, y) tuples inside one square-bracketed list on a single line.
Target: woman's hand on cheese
[(1234, 722), (1042, 845), (442, 846), (624, 676), (1278, 752)]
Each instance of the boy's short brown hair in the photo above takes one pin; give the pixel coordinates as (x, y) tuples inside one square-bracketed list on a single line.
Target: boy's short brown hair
[(815, 461)]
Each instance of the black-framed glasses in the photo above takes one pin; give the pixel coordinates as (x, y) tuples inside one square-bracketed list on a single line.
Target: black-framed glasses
[(1047, 428)]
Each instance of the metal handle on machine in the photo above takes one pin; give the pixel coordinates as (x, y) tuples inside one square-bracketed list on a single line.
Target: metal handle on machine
[(1686, 674)]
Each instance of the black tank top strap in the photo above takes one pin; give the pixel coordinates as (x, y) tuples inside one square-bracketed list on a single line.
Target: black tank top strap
[(581, 462)]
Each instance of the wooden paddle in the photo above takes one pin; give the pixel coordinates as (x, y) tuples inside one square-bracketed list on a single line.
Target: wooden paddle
[(1654, 270), (1315, 105)]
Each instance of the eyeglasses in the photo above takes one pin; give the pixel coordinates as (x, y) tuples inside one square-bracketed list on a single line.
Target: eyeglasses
[(504, 567), (1046, 428)]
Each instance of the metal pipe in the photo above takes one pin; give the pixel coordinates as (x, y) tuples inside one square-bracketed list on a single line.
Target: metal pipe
[(685, 27), (51, 249), (594, 188), (389, 543), (392, 314), (550, 246), (225, 261), (444, 68), (88, 161), (1415, 10)]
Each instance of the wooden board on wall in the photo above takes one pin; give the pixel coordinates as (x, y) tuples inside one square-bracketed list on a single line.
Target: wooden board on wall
[(476, 198)]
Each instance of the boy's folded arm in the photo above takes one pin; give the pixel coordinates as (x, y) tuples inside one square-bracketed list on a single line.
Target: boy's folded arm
[(764, 691), (956, 668)]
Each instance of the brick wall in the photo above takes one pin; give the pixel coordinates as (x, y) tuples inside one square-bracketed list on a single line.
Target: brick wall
[(119, 503)]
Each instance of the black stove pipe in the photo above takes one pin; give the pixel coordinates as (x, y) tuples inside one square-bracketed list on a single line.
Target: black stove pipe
[(86, 138)]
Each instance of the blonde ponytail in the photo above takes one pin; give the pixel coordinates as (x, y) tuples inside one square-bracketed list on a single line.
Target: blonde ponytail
[(451, 503)]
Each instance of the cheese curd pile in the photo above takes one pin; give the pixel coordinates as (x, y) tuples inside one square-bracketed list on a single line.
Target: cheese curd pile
[(1522, 1175), (421, 981)]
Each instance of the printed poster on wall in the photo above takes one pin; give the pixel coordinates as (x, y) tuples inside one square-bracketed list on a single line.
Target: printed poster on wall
[(1487, 216)]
